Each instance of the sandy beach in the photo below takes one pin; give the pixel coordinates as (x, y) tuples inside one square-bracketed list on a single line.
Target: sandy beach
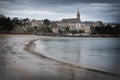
[(18, 61)]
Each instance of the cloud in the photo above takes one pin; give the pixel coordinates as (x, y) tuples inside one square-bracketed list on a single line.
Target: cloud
[(104, 10)]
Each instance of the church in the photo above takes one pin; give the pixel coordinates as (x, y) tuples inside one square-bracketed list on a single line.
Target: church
[(73, 23), (77, 24)]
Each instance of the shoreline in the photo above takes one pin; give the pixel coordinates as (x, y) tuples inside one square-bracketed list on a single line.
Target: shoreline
[(29, 47), (65, 35)]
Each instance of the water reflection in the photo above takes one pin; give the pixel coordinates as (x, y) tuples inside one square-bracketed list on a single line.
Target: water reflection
[(98, 53)]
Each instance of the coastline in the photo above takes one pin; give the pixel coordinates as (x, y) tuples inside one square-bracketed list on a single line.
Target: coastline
[(66, 35), (22, 63)]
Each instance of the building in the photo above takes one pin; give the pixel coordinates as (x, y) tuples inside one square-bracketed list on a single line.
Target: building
[(89, 24), (54, 27), (26, 25), (77, 24), (36, 23), (72, 23)]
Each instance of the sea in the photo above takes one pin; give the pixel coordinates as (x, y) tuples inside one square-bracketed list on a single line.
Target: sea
[(95, 53)]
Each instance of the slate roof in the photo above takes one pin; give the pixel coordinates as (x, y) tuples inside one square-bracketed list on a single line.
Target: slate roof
[(72, 20)]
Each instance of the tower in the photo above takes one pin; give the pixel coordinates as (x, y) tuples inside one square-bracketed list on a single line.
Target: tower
[(78, 15)]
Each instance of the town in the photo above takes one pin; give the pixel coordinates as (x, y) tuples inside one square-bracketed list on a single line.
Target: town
[(66, 27)]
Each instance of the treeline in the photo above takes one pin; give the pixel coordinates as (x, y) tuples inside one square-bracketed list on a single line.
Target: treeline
[(106, 30), (5, 24)]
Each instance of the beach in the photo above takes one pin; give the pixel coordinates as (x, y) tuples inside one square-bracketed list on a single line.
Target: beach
[(19, 61)]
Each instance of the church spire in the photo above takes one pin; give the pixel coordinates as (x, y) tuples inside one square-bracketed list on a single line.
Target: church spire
[(78, 15)]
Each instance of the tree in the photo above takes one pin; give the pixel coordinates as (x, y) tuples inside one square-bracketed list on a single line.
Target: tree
[(60, 31), (15, 21), (47, 22), (117, 30), (67, 30), (81, 31), (107, 30), (5, 24), (74, 31)]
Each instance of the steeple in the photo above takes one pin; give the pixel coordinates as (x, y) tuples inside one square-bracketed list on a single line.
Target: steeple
[(78, 15)]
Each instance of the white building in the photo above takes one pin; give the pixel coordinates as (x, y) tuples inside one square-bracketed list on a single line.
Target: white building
[(36, 23), (73, 23), (89, 24)]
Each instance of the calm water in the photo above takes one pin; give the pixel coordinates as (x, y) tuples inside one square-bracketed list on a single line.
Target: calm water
[(96, 53)]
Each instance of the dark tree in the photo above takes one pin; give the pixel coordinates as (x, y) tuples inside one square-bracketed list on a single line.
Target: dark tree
[(5, 24), (74, 31), (47, 22), (67, 30), (107, 30), (117, 30)]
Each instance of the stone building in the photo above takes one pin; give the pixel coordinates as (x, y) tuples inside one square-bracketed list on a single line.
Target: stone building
[(77, 24), (73, 23), (36, 23), (89, 24)]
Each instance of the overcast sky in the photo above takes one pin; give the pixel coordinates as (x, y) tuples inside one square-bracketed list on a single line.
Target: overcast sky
[(90, 10)]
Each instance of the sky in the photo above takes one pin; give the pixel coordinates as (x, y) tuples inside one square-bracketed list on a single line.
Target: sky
[(107, 11)]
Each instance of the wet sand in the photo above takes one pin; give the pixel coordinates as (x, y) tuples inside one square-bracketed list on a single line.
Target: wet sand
[(18, 61)]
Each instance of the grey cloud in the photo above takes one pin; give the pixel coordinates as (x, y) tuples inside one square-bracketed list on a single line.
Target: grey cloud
[(74, 1), (105, 10)]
